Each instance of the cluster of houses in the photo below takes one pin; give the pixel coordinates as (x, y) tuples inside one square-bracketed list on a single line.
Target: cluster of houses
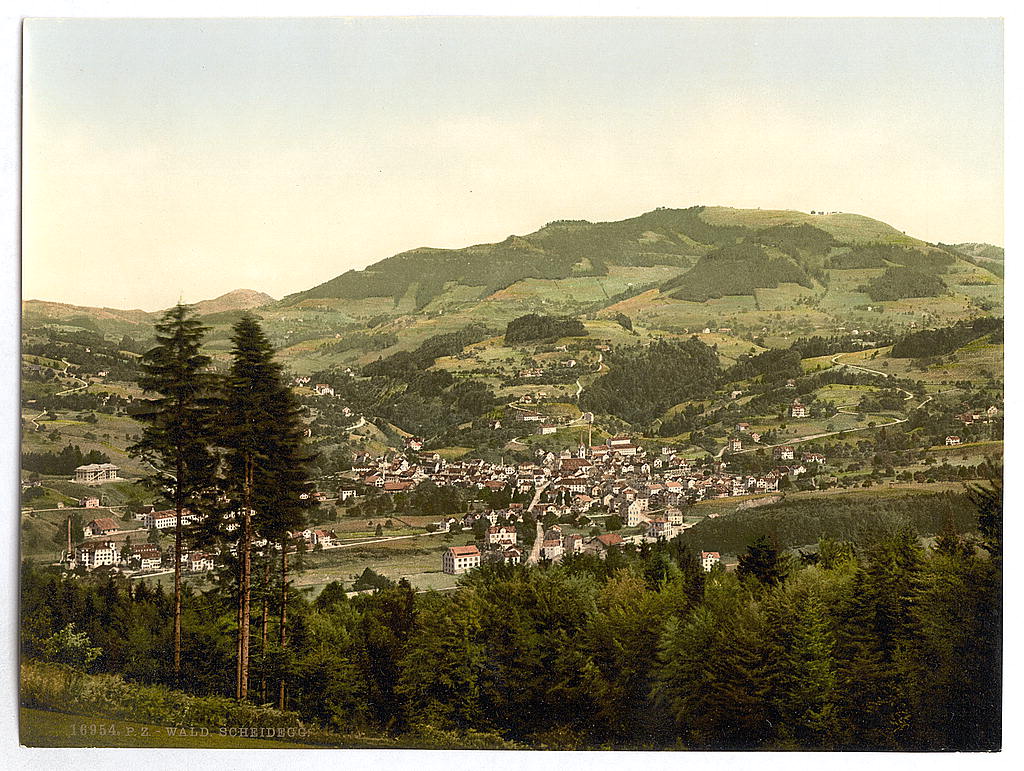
[(108, 543), (499, 545), (607, 475), (974, 416), (555, 546)]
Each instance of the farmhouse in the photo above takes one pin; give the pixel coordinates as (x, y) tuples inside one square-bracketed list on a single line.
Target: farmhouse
[(101, 526), (602, 543), (952, 441), (797, 409)]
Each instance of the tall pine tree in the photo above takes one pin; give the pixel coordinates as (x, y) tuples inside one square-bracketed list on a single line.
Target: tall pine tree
[(266, 465), (178, 436)]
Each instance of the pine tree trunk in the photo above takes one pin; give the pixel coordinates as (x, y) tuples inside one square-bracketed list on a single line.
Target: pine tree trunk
[(284, 616), (266, 626), (245, 550), (177, 597)]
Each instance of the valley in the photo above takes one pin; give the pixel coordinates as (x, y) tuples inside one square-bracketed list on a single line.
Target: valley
[(714, 378)]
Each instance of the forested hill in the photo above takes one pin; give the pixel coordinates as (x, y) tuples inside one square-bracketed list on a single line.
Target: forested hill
[(778, 245)]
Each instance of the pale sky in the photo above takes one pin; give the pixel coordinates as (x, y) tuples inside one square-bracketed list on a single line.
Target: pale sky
[(167, 159)]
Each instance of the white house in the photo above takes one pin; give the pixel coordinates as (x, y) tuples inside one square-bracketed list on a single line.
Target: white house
[(798, 410), (460, 559), (785, 452), (551, 549), (95, 554), (952, 441), (165, 520), (502, 535), (636, 512), (708, 559)]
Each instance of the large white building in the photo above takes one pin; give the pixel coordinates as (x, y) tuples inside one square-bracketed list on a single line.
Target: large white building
[(96, 553), (97, 474), (459, 559), (165, 520)]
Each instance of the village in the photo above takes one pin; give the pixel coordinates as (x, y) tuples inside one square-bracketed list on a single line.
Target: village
[(573, 494)]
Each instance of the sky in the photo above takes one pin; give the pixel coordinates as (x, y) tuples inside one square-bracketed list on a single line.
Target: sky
[(166, 160)]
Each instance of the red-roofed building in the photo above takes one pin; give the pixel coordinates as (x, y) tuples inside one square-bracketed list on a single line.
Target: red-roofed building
[(460, 559), (502, 534), (708, 559), (101, 526)]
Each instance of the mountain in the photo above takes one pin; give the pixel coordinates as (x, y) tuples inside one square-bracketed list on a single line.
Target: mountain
[(791, 247), (238, 300), (984, 251), (764, 274)]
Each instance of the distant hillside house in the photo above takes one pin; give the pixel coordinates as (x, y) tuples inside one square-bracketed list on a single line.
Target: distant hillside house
[(100, 526), (164, 520), (97, 474), (952, 441), (708, 559), (785, 452), (797, 410), (89, 503), (460, 559), (323, 389)]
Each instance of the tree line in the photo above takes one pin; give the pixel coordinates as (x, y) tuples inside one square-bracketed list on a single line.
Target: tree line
[(63, 462), (938, 342)]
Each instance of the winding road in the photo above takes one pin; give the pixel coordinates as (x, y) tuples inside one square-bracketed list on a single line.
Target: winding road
[(85, 383), (836, 362)]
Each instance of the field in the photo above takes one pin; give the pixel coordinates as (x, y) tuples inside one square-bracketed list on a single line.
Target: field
[(417, 559), (975, 362)]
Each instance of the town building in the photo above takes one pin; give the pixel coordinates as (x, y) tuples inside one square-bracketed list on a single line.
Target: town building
[(94, 554), (460, 559), (97, 474)]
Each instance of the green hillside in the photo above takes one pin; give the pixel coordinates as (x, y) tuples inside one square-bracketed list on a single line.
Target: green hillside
[(767, 274)]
